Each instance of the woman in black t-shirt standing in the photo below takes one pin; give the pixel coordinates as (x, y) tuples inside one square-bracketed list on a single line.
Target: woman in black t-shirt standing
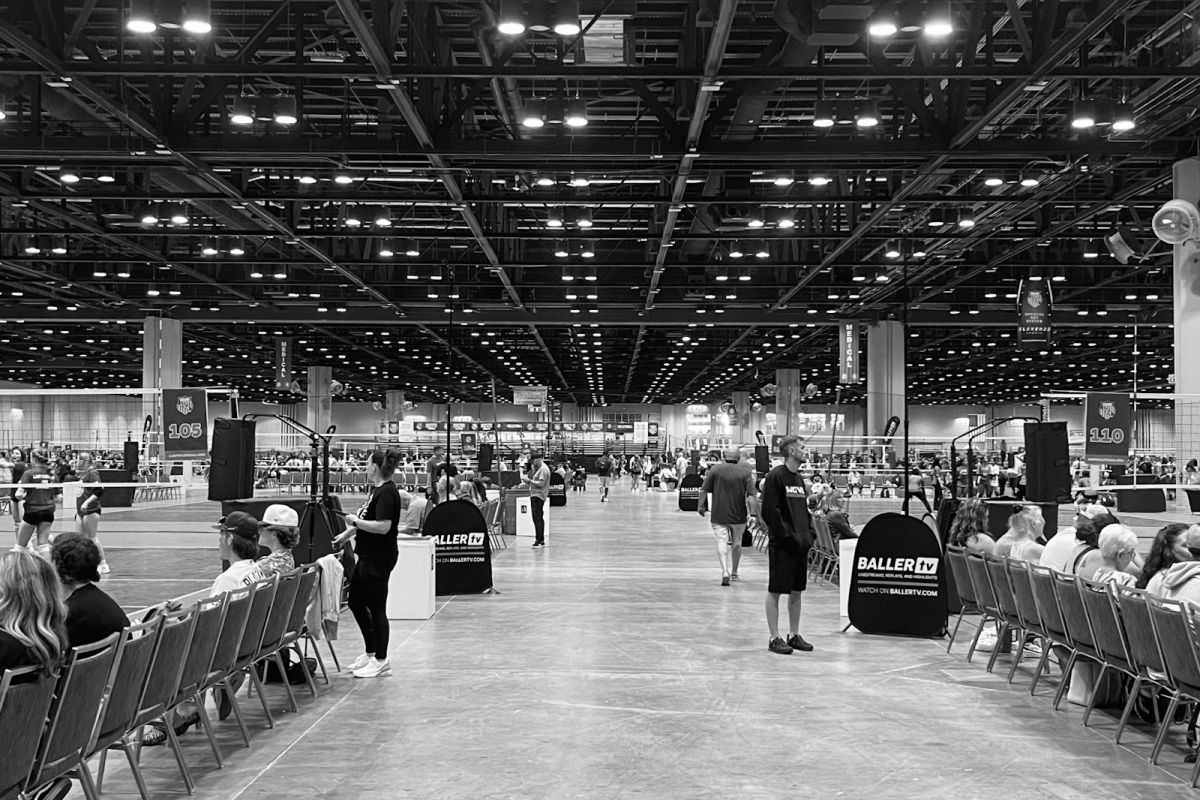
[(377, 522)]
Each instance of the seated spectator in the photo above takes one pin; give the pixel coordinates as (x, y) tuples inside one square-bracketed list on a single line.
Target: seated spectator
[(91, 614), (1118, 546), (412, 517), (279, 530), (239, 546), (1058, 552), (836, 516), (1169, 548), (1085, 558), (1180, 581), (32, 613), (1020, 541), (969, 529), (470, 489)]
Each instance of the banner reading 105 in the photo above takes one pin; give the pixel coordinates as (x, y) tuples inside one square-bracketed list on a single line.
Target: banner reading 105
[(185, 424)]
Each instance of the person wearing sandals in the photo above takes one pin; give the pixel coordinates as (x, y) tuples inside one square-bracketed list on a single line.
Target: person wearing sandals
[(279, 530)]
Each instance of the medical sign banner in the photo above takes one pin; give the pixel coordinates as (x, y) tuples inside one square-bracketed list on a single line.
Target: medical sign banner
[(848, 367)]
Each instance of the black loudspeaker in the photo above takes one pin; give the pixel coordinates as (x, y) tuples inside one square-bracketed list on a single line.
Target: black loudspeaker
[(762, 459), (231, 476), (485, 456), (1047, 464), (131, 457)]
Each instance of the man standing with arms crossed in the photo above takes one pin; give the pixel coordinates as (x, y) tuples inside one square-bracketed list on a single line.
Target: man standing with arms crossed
[(732, 487), (539, 489), (785, 512), (605, 467)]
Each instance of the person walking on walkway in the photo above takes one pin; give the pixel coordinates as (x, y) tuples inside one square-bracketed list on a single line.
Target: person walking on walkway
[(605, 468), (785, 512), (538, 481), (733, 498)]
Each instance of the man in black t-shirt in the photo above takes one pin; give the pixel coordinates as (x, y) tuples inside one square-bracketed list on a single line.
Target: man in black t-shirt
[(785, 512)]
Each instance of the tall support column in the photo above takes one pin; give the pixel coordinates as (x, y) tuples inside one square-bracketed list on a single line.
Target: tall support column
[(885, 375), (789, 397), (320, 401), (394, 400), (1186, 279), (162, 367)]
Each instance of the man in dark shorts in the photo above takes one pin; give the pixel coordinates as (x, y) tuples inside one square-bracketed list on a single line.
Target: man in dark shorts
[(605, 468), (785, 512)]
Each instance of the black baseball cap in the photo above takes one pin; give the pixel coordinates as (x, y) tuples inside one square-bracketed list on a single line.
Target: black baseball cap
[(240, 524)]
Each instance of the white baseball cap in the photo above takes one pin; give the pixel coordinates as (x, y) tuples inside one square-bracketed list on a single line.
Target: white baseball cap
[(278, 514)]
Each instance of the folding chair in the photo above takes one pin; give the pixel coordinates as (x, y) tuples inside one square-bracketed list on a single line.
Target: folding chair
[(25, 697), (1006, 604), (1078, 628), (981, 585), (1107, 632), (237, 612), (1174, 625), (1021, 580), (78, 702), (296, 628), (1144, 652), (962, 582), (272, 638), (260, 607)]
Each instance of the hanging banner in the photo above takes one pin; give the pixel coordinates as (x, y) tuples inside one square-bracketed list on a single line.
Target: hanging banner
[(848, 371), (185, 424), (1033, 314), (470, 443), (641, 432), (530, 395), (652, 430), (1107, 426), (283, 362)]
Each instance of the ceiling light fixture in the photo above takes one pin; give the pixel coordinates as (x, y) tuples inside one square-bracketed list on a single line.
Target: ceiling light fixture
[(939, 21), (566, 18), (141, 17), (285, 110), (535, 114), (385, 249), (196, 20), (242, 112), (891, 249), (1083, 114), (511, 18), (823, 114), (576, 114), (867, 115), (1123, 118)]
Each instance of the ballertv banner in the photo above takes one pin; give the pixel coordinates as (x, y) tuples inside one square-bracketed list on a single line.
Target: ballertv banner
[(1108, 426), (1033, 308)]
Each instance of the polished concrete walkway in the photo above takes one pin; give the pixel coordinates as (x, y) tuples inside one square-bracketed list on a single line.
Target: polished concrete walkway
[(613, 664)]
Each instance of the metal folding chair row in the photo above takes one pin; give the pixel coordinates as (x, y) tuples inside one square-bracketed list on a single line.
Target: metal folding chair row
[(824, 556), (1153, 641), (107, 692), (492, 511)]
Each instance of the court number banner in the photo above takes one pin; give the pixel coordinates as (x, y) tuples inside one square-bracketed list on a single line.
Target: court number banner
[(1108, 426), (185, 424)]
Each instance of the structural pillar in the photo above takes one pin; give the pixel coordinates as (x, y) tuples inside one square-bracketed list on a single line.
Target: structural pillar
[(789, 397), (320, 401), (1186, 279), (885, 375), (162, 368), (394, 402)]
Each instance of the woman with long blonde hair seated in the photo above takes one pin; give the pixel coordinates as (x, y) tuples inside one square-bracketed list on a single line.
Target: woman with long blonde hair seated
[(32, 613), (1020, 541)]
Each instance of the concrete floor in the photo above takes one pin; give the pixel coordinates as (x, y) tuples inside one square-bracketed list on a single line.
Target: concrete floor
[(613, 664)]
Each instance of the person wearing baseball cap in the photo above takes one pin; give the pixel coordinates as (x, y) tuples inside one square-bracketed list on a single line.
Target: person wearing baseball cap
[(1182, 581), (538, 482), (279, 530), (238, 545)]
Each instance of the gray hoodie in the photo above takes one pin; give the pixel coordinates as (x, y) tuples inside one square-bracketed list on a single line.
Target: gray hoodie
[(1182, 582)]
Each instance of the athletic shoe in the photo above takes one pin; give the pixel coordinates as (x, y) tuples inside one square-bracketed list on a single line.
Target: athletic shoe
[(724, 580), (778, 645), (43, 550), (104, 568), (733, 576), (375, 669), (538, 545), (796, 642), (360, 662), (987, 640)]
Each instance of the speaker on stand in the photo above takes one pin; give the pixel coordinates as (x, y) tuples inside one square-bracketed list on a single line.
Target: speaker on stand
[(231, 476), (131, 458), (486, 454), (1047, 463)]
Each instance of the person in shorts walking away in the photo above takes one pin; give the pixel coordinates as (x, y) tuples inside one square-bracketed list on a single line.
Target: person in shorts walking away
[(605, 467), (733, 498), (790, 532)]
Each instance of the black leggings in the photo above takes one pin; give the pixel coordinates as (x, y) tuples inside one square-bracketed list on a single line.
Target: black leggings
[(368, 603)]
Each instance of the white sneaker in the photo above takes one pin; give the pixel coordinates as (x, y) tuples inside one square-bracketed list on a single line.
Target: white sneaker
[(987, 641), (104, 568), (360, 662), (43, 550), (375, 669)]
